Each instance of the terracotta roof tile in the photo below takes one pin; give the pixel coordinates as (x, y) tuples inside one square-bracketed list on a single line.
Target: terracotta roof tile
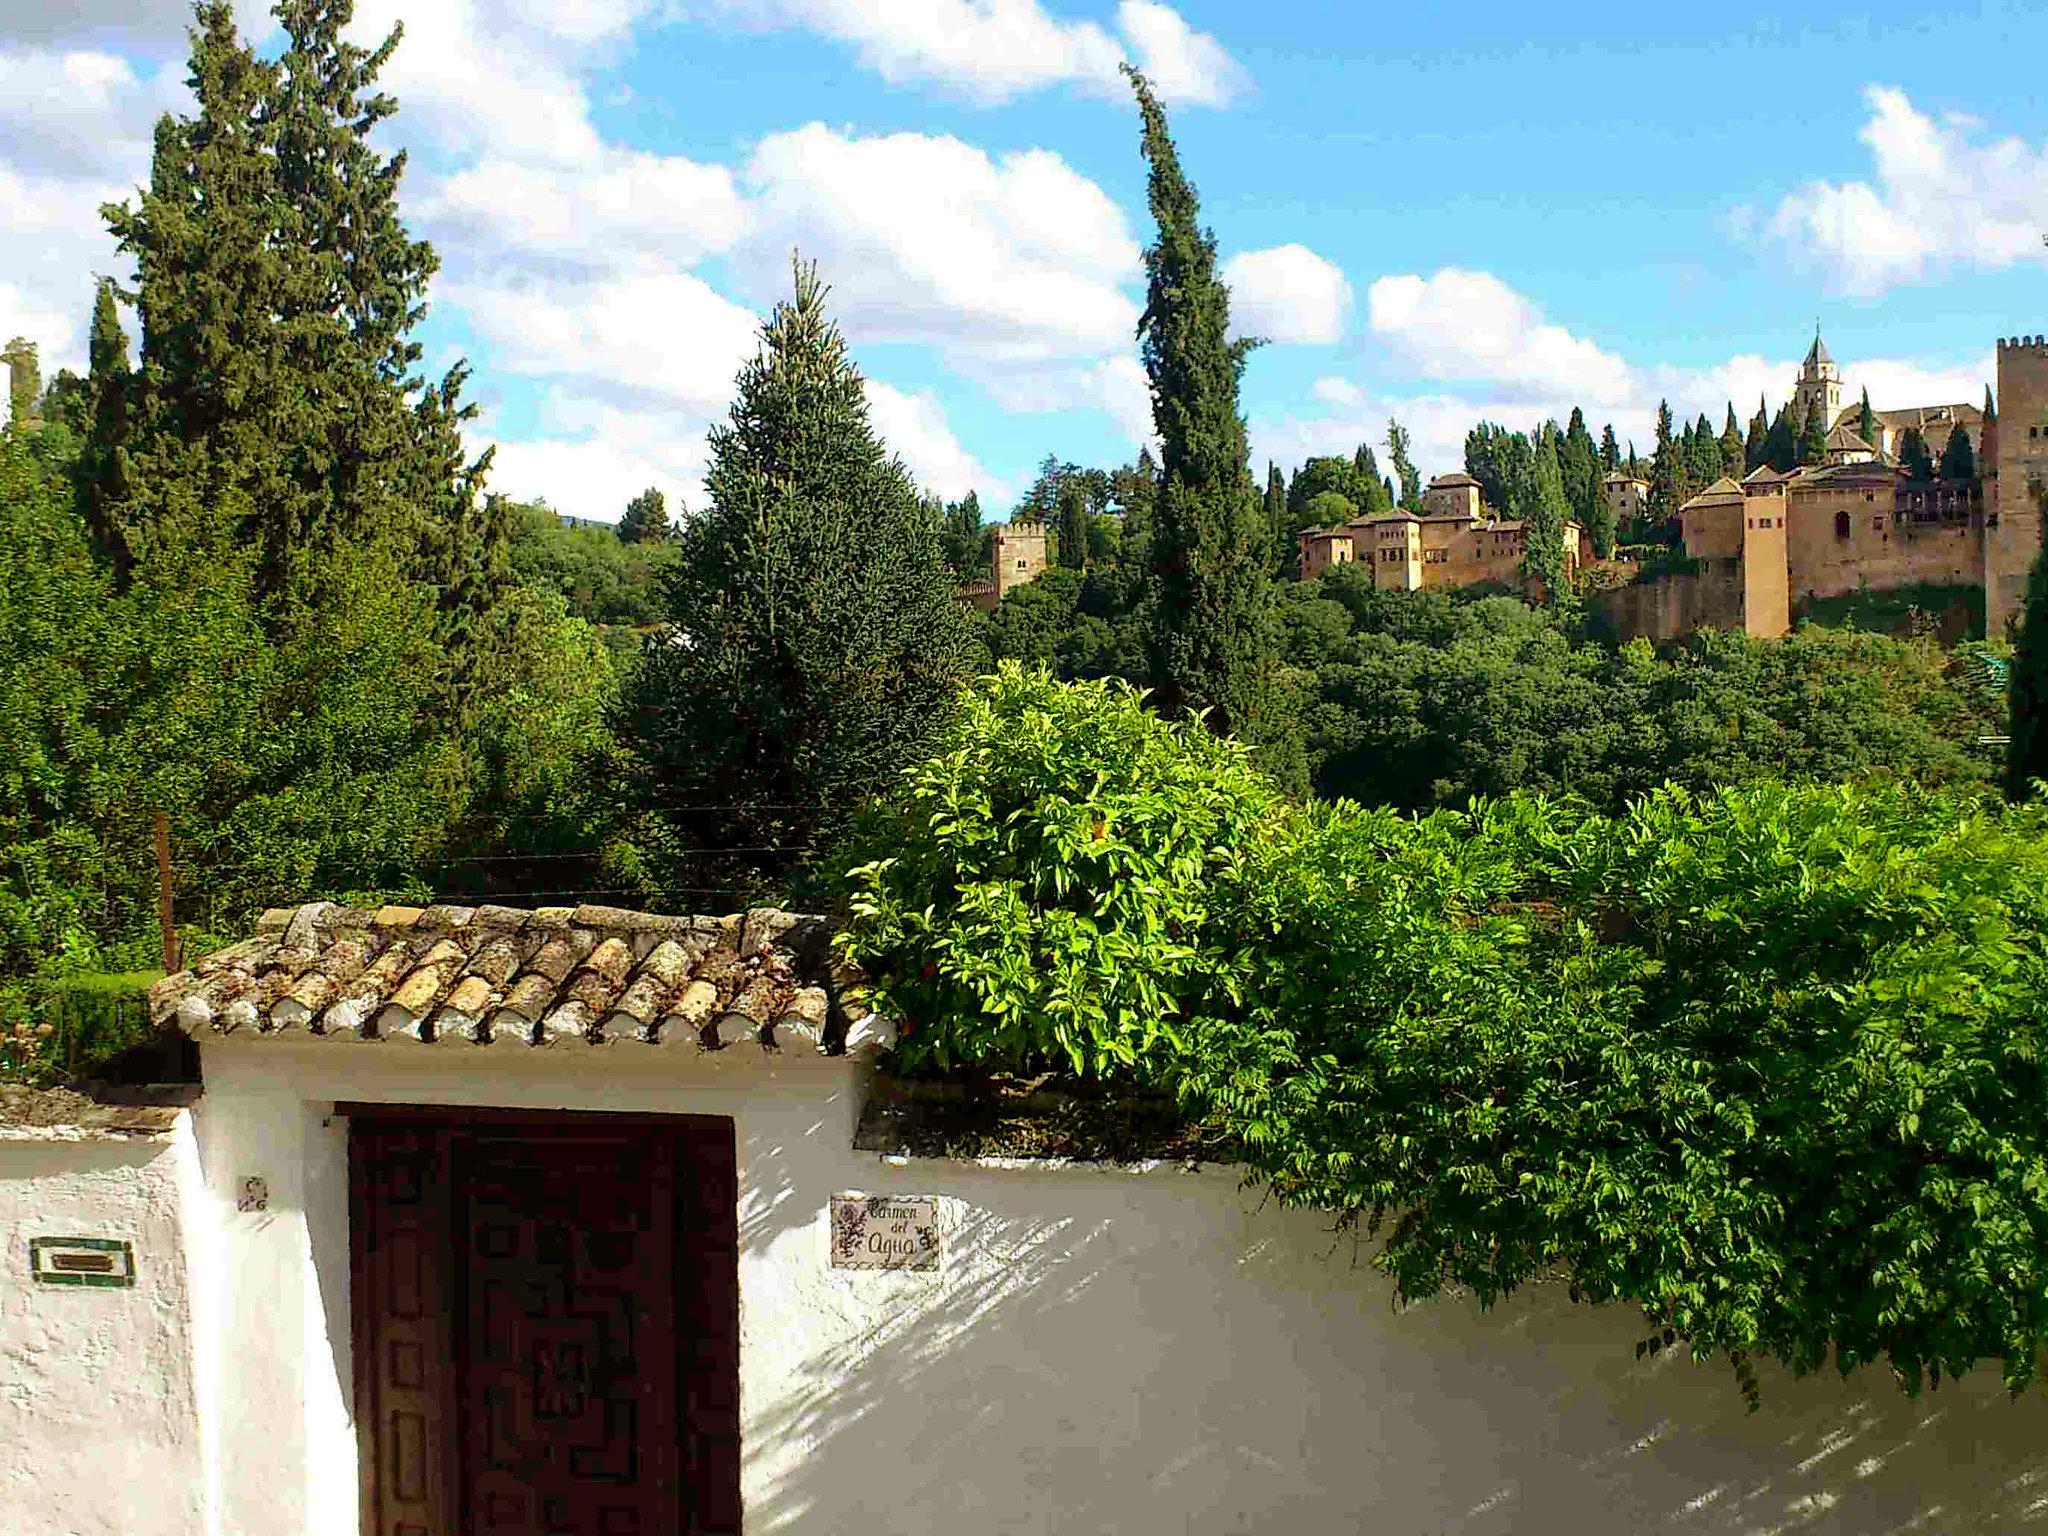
[(508, 976)]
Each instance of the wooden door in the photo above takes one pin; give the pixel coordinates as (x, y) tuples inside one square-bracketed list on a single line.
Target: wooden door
[(547, 1324)]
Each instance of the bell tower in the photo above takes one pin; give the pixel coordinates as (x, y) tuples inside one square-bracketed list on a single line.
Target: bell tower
[(1820, 385)]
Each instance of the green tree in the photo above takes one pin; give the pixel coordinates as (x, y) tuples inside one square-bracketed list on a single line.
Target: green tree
[(1990, 409), (1813, 436), (1399, 447), (2027, 754), (821, 640), (1578, 462), (1610, 450), (1070, 523), (24, 382), (1781, 442), (646, 519), (1668, 471), (1486, 460), (1704, 455), (1545, 519), (963, 541), (1914, 455), (1866, 421), (1733, 446), (1958, 459), (1212, 635), (1759, 430), (1278, 529)]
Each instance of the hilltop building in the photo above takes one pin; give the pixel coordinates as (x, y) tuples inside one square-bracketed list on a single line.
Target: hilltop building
[(1016, 559), (1456, 541), (1855, 522), (1628, 497)]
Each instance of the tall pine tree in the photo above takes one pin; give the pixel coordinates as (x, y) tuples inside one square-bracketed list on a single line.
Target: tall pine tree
[(1667, 469), (1211, 638), (1813, 436), (821, 643), (1759, 430), (1866, 421), (1399, 445), (1958, 459), (1732, 446), (1610, 450), (1070, 523), (1543, 521), (1578, 461), (1277, 530)]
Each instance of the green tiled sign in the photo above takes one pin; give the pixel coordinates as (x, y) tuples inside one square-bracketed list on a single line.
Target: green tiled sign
[(104, 1262)]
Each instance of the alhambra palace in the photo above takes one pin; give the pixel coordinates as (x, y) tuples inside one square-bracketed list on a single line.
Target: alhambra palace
[(1761, 548)]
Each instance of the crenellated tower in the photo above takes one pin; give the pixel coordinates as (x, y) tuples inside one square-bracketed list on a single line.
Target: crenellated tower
[(1018, 554), (2020, 472)]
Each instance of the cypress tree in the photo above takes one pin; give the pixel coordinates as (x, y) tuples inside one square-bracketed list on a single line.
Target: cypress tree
[(1211, 642), (1578, 461), (1070, 523), (1781, 442), (275, 410), (1398, 446), (1759, 429), (1866, 421), (1813, 436), (1958, 459), (1544, 520), (2027, 689), (1485, 450), (1705, 458), (1733, 447), (1915, 457), (1667, 477), (1276, 519), (823, 641), (1610, 450), (646, 519), (1990, 410)]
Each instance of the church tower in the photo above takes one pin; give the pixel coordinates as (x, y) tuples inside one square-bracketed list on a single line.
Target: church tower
[(1820, 384)]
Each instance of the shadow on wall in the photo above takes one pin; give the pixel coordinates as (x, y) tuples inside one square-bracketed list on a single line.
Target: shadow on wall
[(1110, 1352)]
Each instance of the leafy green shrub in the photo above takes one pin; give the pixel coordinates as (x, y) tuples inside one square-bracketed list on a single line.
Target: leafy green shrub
[(1765, 1062)]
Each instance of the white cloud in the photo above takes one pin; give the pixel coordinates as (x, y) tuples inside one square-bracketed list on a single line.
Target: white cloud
[(1116, 386), (640, 338), (622, 208), (914, 427), (1183, 65), (469, 76), (1940, 198), (35, 22), (1464, 325), (1287, 294), (81, 113), (590, 460), (927, 239), (990, 51)]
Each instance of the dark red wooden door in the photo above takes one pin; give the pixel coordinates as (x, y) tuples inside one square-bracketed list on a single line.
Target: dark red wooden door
[(547, 1326)]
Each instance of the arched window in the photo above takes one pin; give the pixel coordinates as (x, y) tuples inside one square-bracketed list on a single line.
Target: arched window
[(1841, 525)]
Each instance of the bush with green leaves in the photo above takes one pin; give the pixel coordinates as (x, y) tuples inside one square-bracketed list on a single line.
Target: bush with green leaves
[(1764, 1062)]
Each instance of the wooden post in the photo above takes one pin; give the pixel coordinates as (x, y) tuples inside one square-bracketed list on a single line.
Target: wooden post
[(163, 892)]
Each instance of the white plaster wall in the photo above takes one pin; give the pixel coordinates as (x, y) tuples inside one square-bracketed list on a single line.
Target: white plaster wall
[(99, 1428), (1102, 1351)]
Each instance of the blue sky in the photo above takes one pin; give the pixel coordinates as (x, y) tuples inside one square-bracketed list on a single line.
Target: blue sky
[(1443, 216)]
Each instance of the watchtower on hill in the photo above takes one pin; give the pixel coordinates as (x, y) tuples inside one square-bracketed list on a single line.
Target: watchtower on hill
[(2021, 464), (1018, 551)]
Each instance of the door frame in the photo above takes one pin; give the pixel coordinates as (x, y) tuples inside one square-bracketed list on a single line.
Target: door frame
[(444, 1122)]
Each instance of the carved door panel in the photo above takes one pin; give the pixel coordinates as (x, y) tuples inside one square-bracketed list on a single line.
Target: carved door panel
[(579, 1328)]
